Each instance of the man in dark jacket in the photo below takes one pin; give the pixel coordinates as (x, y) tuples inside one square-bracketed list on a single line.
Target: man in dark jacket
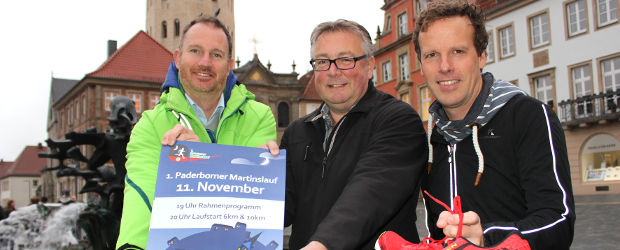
[(353, 165), (501, 151)]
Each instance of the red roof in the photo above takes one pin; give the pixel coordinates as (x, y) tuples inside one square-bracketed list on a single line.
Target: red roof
[(4, 167), (310, 91), (141, 58), (28, 162)]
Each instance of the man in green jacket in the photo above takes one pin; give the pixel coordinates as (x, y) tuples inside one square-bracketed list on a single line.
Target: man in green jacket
[(200, 101)]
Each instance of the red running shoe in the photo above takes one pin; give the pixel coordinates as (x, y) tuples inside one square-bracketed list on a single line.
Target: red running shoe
[(514, 241), (392, 241)]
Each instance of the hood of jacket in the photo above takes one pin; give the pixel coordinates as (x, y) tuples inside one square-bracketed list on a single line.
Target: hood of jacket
[(172, 80), (493, 96)]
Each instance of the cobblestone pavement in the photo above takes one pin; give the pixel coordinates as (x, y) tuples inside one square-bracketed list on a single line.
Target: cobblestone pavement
[(598, 222), (597, 225)]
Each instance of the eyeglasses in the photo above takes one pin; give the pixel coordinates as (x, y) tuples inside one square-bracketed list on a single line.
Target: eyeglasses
[(341, 63)]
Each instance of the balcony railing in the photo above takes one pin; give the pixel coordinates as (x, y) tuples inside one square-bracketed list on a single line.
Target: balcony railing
[(590, 109)]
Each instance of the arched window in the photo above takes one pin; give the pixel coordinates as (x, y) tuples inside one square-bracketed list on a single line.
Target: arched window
[(599, 158), (283, 117), (177, 27), (164, 29)]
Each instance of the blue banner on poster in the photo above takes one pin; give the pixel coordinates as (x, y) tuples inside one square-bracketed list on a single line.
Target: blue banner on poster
[(212, 196)]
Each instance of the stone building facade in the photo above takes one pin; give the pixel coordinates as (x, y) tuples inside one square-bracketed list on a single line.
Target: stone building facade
[(566, 54), (136, 70), (165, 19), (397, 69), (282, 92)]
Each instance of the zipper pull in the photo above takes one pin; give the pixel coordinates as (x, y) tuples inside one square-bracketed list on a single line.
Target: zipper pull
[(324, 164), (306, 152)]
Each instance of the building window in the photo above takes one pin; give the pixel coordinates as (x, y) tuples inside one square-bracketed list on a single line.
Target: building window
[(108, 96), (610, 70), (606, 12), (388, 24), (420, 5), (137, 99), (543, 89), (69, 115), (404, 66), (425, 102), (405, 97), (153, 101), (164, 29), (35, 183), (576, 17), (490, 48), (77, 110), (599, 158), (506, 41), (62, 120), (84, 105), (610, 74), (539, 30), (177, 27), (374, 76), (283, 116), (582, 86), (387, 71), (402, 24)]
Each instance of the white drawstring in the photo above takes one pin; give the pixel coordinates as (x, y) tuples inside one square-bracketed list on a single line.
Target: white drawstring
[(474, 133), (478, 152)]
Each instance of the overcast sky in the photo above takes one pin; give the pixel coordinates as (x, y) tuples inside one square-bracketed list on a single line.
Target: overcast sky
[(68, 39)]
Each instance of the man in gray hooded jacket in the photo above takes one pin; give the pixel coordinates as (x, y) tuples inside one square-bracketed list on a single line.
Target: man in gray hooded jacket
[(501, 151)]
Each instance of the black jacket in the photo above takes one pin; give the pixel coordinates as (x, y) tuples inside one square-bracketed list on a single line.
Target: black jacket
[(526, 183), (366, 185)]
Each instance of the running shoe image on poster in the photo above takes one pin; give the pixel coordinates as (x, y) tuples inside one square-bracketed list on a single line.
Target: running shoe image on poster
[(392, 241)]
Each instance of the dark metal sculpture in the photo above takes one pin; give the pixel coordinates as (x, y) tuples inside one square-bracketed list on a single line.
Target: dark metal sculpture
[(101, 220)]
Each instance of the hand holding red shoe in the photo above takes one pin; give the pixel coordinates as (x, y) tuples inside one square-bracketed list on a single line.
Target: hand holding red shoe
[(471, 227), (462, 230)]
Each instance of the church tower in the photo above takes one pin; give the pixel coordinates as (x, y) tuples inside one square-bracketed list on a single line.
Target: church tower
[(165, 19)]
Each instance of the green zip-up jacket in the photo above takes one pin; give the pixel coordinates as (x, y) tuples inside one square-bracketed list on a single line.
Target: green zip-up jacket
[(244, 122)]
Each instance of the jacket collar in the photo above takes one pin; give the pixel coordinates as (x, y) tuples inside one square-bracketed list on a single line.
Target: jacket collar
[(494, 95)]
